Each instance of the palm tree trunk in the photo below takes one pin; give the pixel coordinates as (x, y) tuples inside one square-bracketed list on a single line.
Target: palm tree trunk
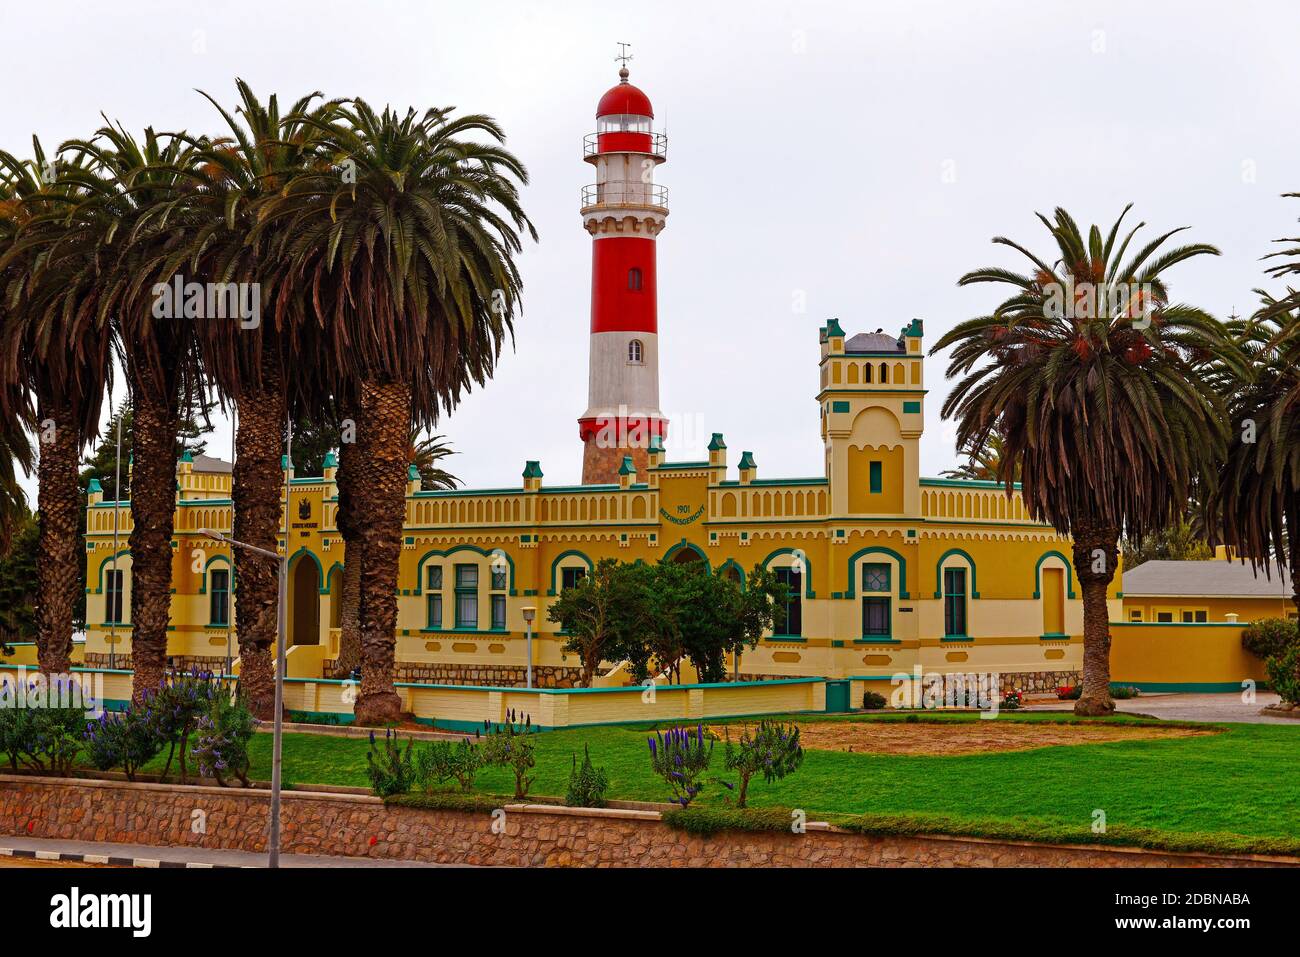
[(385, 425), (1293, 544), (258, 486), (153, 511), (350, 614), (60, 551), (1096, 558)]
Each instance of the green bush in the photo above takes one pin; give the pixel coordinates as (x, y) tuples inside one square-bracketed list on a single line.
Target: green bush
[(448, 801), (1269, 637), (442, 761), (587, 784), (42, 739), (506, 747), (174, 711), (1123, 692), (871, 701), (390, 768), (224, 731), (1284, 674), (773, 751), (707, 821), (681, 756), (128, 740)]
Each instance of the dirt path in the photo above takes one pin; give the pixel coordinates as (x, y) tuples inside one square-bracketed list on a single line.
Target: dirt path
[(881, 737)]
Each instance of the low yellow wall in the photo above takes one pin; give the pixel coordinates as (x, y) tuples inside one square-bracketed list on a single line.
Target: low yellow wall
[(1179, 657)]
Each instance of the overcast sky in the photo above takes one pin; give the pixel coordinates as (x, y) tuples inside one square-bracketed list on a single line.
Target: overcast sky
[(855, 157)]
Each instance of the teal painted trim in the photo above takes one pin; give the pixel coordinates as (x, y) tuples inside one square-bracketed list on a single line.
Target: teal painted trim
[(956, 638), (203, 578), (854, 391), (324, 717), (732, 563), (882, 550), (320, 572), (630, 689), (481, 632), (1054, 636), (684, 545), (674, 465), (876, 355), (99, 575), (791, 481), (965, 483), (840, 405), (583, 488), (552, 591), (1189, 687), (877, 641), (938, 573), (448, 552), (1038, 573), (201, 502), (463, 492), (786, 639), (807, 565), (1179, 624), (910, 407)]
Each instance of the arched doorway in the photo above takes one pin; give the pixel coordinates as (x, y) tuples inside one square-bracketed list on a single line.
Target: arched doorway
[(304, 602)]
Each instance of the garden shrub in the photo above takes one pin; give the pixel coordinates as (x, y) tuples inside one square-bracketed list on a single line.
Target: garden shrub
[(1123, 692), (1012, 700), (707, 821), (448, 801), (871, 701), (773, 751), (223, 735), (42, 739), (681, 756), (506, 747), (128, 740), (1284, 674), (1070, 692), (175, 710), (391, 770), (442, 761), (1270, 637), (587, 784)]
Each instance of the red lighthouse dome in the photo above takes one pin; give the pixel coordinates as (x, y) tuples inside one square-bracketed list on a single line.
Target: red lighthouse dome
[(624, 99)]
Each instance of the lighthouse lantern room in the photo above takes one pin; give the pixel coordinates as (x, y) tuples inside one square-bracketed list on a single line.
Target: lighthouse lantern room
[(624, 211)]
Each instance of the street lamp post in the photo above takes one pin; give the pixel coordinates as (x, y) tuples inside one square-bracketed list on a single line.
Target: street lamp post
[(273, 840), (530, 612)]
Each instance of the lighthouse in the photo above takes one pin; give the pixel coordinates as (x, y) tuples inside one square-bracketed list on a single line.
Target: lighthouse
[(624, 211)]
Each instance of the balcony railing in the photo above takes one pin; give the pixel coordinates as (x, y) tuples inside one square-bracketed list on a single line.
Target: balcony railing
[(617, 141), (624, 194)]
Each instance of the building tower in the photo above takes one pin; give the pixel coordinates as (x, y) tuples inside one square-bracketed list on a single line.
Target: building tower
[(624, 211)]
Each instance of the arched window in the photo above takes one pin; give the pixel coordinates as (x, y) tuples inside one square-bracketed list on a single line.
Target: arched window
[(884, 373), (866, 372), (634, 279), (634, 351)]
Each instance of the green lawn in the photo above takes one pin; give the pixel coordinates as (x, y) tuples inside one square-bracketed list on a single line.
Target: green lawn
[(1239, 788)]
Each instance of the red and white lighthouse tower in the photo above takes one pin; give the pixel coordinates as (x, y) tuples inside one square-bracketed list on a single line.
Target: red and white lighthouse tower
[(625, 210)]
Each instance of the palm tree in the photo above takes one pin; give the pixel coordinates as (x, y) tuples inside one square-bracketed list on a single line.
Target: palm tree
[(135, 218), (14, 451), (425, 454), (1255, 508), (52, 354), (1094, 381), (407, 248), (250, 365)]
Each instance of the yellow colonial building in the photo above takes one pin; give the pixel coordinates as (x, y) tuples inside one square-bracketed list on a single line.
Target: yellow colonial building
[(889, 570)]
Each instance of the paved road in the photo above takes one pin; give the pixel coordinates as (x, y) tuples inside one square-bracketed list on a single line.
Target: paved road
[(1197, 707), (147, 856)]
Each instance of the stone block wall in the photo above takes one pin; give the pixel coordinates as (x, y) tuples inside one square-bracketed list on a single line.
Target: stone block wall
[(533, 835)]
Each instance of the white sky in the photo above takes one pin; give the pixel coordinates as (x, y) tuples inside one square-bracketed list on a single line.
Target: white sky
[(808, 147)]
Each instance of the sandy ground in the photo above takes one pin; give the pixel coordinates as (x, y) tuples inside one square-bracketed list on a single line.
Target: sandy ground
[(880, 737)]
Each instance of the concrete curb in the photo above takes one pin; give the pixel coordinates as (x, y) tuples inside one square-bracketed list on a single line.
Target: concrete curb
[(109, 859)]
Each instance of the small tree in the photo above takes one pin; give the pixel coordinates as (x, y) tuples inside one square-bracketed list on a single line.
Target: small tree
[(600, 615), (773, 751), (587, 784), (508, 747)]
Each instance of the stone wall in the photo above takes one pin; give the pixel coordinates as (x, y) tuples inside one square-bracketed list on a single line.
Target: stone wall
[(532, 835), (505, 676), (1035, 682), (213, 663)]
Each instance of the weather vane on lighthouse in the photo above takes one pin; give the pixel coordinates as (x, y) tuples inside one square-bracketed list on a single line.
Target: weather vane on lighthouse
[(623, 57)]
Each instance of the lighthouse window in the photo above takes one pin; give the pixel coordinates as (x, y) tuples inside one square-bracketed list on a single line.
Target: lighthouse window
[(634, 279), (634, 351)]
